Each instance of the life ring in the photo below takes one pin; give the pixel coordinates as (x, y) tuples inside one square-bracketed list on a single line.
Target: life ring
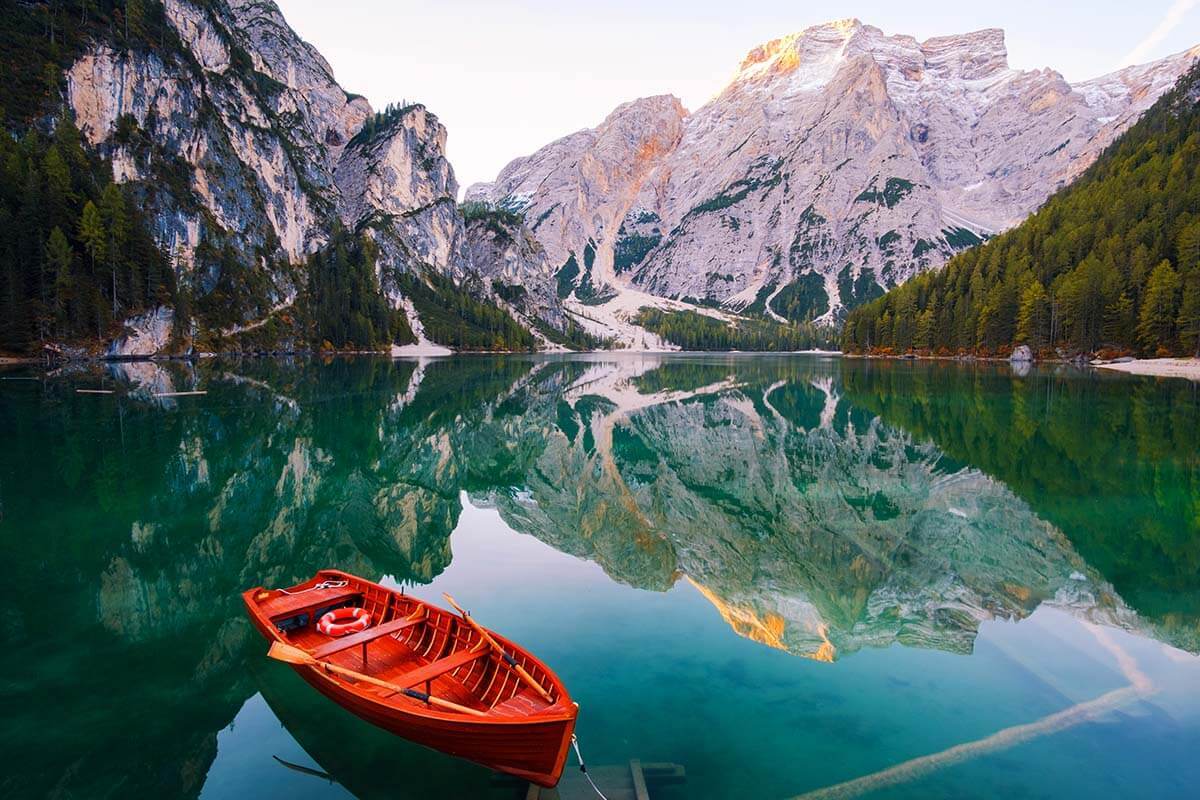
[(342, 621)]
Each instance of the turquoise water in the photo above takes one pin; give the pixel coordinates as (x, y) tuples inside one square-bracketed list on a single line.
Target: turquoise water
[(789, 575)]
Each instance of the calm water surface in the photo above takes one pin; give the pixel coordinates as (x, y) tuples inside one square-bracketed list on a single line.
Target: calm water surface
[(792, 576)]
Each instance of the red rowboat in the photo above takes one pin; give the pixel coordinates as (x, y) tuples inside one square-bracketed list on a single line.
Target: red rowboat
[(429, 675)]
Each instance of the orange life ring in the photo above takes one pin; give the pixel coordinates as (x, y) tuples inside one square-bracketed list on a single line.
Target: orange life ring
[(342, 621)]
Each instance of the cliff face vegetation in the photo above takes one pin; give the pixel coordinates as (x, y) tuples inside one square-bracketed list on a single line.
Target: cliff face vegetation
[(692, 330), (196, 159), (76, 250), (1111, 262)]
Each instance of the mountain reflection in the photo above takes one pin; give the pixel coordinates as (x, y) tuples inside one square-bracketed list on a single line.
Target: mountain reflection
[(820, 506)]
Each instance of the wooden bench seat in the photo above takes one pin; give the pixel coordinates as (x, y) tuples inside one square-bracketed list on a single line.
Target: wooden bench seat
[(289, 605), (437, 668), (362, 637)]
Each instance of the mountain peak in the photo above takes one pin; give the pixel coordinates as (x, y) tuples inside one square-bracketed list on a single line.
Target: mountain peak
[(810, 58), (839, 161), (789, 52), (966, 56)]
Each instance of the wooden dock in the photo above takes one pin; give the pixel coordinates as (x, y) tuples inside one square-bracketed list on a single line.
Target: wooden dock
[(630, 781)]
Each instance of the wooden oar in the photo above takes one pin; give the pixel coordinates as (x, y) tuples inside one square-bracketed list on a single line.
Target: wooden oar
[(281, 651), (487, 637)]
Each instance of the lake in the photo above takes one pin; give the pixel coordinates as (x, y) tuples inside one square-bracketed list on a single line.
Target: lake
[(793, 576)]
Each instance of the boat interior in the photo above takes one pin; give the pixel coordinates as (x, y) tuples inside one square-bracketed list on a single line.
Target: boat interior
[(409, 643)]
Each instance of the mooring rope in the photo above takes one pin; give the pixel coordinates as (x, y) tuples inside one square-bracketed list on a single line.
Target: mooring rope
[(583, 768), (321, 585)]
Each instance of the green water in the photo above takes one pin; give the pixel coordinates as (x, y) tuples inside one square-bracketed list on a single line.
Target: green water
[(782, 573)]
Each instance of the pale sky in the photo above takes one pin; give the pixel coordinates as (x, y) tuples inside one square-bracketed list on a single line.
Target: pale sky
[(508, 77)]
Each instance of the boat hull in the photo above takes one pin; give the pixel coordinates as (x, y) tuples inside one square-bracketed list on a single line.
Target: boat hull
[(534, 749), (519, 749)]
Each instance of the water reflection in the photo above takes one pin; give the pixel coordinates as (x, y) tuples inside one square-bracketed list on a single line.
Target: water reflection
[(820, 507)]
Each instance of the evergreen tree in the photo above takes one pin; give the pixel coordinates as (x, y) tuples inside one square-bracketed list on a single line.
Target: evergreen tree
[(1120, 322), (116, 224), (1033, 316), (59, 262), (59, 194), (906, 322), (1189, 313), (103, 256), (694, 331), (925, 329), (135, 18), (91, 233), (1187, 248), (1157, 320)]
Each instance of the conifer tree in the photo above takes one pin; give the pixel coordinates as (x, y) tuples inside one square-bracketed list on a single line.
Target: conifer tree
[(1033, 315), (1157, 319), (1187, 248), (59, 257), (116, 225), (135, 18), (91, 233), (1120, 321), (1189, 313), (925, 329)]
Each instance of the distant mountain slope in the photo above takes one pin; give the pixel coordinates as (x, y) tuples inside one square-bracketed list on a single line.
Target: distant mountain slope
[(1111, 261), (839, 161), (291, 214)]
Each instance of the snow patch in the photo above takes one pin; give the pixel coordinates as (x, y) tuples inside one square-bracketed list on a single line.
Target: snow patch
[(423, 348)]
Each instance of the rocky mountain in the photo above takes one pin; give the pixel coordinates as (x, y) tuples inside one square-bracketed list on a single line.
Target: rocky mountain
[(505, 252), (1079, 276), (247, 155), (837, 162)]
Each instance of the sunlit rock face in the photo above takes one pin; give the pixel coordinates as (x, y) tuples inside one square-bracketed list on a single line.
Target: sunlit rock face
[(398, 185), (578, 189), (235, 132), (838, 161)]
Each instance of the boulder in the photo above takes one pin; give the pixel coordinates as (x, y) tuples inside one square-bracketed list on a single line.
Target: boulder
[(145, 334), (1021, 354)]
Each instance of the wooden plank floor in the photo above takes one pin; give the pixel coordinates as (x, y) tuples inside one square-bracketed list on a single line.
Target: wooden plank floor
[(387, 659), (620, 782)]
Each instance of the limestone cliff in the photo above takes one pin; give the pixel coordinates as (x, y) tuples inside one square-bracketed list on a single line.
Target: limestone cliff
[(505, 253), (838, 161), (235, 136)]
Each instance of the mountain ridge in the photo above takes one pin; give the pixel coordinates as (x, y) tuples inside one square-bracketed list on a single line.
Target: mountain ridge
[(1111, 262), (838, 161), (248, 160), (288, 214)]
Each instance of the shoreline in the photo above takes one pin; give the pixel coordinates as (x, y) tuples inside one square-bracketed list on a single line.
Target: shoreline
[(1184, 368), (1188, 368), (399, 352)]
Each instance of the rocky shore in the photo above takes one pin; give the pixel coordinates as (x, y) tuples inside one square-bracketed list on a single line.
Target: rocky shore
[(1160, 367)]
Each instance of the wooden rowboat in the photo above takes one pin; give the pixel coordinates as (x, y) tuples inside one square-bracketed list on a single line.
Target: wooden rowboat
[(424, 673)]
